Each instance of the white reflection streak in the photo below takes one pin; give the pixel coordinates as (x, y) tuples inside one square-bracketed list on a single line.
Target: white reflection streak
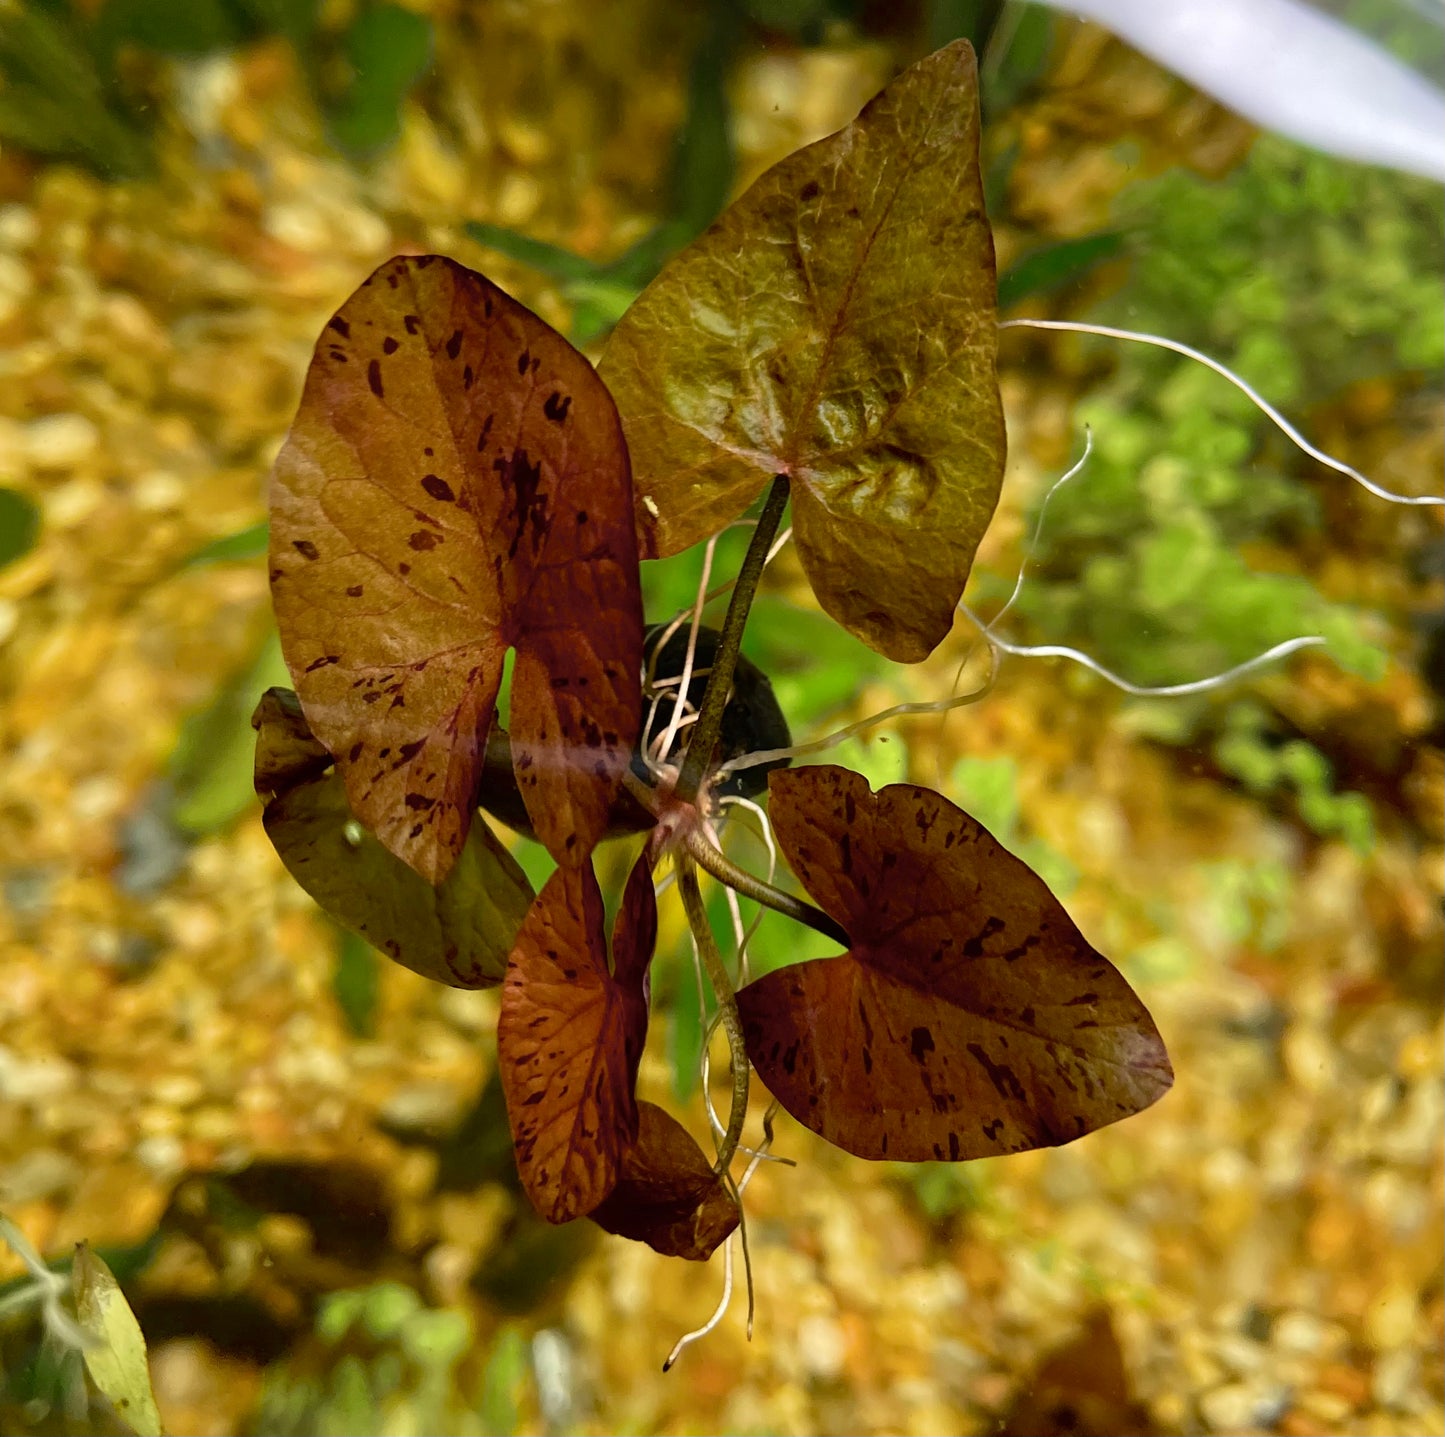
[(1257, 399)]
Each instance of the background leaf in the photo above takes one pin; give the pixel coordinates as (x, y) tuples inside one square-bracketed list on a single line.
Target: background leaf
[(212, 767), (117, 1362), (389, 48), (19, 526), (970, 1017), (837, 324), (455, 483)]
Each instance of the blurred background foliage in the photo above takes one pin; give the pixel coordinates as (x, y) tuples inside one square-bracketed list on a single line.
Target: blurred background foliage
[(1194, 539)]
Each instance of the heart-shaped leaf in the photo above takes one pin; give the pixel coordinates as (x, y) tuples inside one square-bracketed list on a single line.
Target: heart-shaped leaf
[(837, 324), (970, 1017), (458, 932), (570, 1035), (456, 484), (668, 1195)]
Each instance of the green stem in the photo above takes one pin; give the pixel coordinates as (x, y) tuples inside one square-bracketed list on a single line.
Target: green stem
[(717, 863), (714, 861), (720, 682), (727, 1003)]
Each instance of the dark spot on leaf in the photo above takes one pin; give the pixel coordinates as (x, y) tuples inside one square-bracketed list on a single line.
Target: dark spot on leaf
[(953, 1148), (389, 345), (354, 591), (809, 191), (438, 488), (999, 1074), (412, 322), (974, 947), (468, 377), (992, 1129), (423, 540), (355, 753), (373, 378), (920, 1042), (523, 481), (305, 548), (557, 406), (420, 801), (340, 326), (454, 344), (403, 569), (523, 360)]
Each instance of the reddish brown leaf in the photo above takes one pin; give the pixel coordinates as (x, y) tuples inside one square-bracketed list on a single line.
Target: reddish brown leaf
[(456, 483), (668, 1195), (570, 1035), (837, 324), (970, 1017)]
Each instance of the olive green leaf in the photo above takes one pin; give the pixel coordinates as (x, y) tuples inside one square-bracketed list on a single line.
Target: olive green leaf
[(458, 933), (837, 325), (116, 1358)]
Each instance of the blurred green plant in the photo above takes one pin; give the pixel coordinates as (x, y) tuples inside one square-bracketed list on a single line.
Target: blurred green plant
[(247, 543), (699, 182), (57, 99), (987, 788), (89, 1372), (19, 526), (1303, 274), (64, 93), (944, 1190), (387, 50), (211, 765), (356, 982), (1295, 770), (384, 1362)]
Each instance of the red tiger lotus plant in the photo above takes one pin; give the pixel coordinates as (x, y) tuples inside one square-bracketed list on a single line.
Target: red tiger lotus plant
[(460, 481)]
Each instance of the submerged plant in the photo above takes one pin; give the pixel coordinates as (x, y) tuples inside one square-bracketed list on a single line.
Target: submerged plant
[(460, 482)]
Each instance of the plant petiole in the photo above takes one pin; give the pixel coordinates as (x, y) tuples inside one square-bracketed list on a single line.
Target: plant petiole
[(727, 1002), (720, 681)]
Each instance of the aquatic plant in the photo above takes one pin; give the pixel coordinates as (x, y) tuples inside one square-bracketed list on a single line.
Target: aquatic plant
[(459, 482)]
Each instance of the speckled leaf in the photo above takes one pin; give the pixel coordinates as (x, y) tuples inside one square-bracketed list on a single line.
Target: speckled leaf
[(668, 1195), (570, 1036), (457, 932), (970, 1017), (456, 483), (837, 325)]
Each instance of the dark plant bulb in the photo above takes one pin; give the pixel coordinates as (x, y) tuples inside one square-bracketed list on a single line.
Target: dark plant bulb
[(751, 722)]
